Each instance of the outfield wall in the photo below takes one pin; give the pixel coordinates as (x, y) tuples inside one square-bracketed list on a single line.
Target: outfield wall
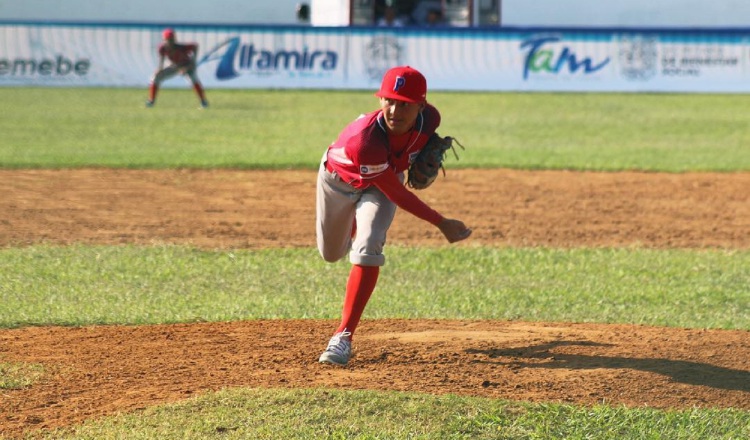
[(506, 59)]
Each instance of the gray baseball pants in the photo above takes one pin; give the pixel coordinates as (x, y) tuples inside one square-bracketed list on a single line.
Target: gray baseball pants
[(338, 206)]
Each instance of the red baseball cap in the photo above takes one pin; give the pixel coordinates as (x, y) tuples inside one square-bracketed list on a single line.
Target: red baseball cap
[(167, 34), (403, 83)]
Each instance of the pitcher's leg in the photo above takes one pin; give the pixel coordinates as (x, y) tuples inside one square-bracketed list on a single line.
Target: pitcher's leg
[(375, 214), (359, 288), (335, 210)]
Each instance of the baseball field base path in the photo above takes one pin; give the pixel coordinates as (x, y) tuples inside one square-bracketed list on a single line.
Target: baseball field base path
[(100, 370)]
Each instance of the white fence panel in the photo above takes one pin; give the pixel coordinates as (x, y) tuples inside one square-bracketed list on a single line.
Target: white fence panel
[(581, 60)]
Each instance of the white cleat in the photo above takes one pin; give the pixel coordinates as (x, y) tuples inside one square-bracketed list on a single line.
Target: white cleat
[(339, 349)]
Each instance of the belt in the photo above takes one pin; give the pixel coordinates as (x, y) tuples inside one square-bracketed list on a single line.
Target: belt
[(333, 172)]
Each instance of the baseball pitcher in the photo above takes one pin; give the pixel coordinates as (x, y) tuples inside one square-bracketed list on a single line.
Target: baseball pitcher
[(361, 182)]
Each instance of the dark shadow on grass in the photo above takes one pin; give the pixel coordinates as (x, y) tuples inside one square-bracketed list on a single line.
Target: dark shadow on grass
[(693, 373)]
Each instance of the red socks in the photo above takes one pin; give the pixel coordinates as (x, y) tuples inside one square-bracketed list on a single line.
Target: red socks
[(199, 90), (152, 92), (152, 88), (359, 287)]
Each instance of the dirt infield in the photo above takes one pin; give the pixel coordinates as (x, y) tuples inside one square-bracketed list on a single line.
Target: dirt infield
[(96, 371)]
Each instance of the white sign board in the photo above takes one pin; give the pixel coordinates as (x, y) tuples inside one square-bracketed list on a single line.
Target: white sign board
[(356, 58)]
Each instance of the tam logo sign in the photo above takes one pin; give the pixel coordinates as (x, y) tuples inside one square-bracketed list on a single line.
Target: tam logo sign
[(542, 55)]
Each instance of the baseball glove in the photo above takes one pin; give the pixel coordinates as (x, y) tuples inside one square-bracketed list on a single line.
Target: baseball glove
[(424, 170)]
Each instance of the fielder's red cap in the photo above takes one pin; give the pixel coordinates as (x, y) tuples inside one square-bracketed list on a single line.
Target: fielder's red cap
[(403, 83), (167, 34)]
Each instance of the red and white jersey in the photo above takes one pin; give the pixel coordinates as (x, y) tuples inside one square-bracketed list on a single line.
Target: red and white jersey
[(179, 54), (366, 155), (364, 150)]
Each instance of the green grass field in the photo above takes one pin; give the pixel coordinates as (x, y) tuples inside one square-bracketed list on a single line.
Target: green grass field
[(283, 129), (43, 285), (82, 285)]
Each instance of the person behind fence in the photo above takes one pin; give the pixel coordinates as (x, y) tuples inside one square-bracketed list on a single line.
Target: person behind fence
[(303, 13), (434, 18), (390, 18), (182, 61)]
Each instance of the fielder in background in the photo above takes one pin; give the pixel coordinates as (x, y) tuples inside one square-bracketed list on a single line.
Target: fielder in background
[(182, 62), (361, 182)]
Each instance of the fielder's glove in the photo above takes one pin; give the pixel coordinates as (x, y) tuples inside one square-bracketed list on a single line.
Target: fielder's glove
[(424, 170)]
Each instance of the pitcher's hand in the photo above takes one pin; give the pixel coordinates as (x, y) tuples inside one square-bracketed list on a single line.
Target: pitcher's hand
[(454, 230)]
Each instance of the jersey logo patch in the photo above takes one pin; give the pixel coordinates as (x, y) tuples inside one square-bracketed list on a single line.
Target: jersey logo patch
[(372, 169)]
